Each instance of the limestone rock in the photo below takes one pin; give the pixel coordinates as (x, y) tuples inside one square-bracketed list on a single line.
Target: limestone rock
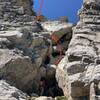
[(80, 66), (44, 98), (17, 14), (8, 92), (21, 56), (63, 30), (91, 1), (24, 49), (17, 69), (55, 25)]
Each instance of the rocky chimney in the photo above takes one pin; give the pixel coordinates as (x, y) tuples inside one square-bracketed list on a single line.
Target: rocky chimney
[(27, 6)]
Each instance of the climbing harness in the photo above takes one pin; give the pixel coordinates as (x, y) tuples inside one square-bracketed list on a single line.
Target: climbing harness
[(40, 10)]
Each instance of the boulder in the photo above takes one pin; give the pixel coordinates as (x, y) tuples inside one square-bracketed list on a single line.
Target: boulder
[(25, 45), (21, 55), (27, 6), (44, 98), (18, 70), (53, 26), (8, 92)]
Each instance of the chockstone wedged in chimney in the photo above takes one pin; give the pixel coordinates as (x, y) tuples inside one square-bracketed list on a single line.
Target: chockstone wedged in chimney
[(22, 48)]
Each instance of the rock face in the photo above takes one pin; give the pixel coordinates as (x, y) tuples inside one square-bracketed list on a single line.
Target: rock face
[(60, 35), (15, 8), (27, 6), (81, 65), (8, 92), (22, 49), (25, 46)]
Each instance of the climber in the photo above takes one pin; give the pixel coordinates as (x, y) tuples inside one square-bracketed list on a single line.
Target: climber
[(47, 61), (56, 39), (43, 87)]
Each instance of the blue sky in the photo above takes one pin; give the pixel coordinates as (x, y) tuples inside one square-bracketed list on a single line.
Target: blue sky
[(53, 9)]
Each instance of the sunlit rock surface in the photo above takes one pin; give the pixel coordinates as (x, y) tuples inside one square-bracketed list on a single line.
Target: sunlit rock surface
[(80, 67), (8, 92)]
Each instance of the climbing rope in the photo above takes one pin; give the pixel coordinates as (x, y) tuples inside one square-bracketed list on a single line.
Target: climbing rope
[(40, 9)]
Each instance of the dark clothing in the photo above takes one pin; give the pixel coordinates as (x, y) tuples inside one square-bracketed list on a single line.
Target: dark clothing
[(47, 61), (43, 87)]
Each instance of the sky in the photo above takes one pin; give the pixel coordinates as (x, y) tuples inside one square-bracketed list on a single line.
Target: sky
[(53, 9)]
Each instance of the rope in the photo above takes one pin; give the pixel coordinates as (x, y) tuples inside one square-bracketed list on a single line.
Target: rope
[(40, 9), (60, 49)]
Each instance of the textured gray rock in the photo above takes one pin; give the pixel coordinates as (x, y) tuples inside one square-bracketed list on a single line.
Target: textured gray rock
[(80, 66), (17, 70), (60, 31), (8, 92), (53, 26), (44, 98), (21, 57), (24, 49)]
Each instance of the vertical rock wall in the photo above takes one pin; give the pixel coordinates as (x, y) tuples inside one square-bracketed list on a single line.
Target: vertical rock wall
[(27, 5), (82, 61), (25, 47), (22, 51)]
